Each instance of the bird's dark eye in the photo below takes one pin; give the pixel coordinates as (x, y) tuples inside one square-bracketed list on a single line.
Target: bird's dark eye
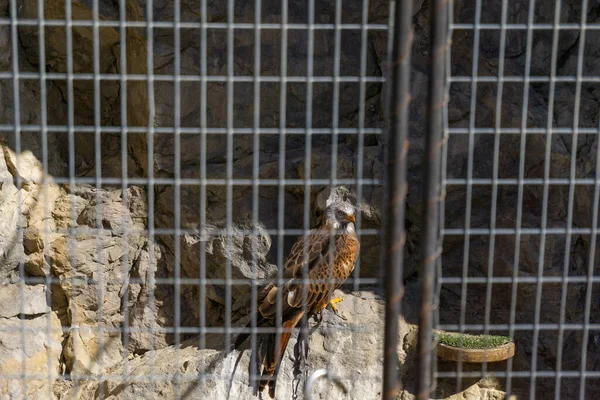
[(340, 213)]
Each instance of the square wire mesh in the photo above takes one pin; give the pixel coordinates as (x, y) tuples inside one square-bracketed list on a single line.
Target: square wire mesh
[(126, 141), (127, 130), (509, 254)]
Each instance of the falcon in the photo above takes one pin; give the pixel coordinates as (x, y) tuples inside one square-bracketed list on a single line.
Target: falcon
[(328, 253)]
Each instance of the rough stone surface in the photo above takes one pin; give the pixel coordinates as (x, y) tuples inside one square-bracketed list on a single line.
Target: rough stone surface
[(33, 300), (34, 346), (351, 348)]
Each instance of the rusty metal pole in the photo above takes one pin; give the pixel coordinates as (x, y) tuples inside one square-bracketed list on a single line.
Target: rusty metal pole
[(397, 148), (432, 194)]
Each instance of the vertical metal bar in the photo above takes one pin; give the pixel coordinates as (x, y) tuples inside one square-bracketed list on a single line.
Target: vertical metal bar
[(540, 274), (432, 195), (336, 95), (495, 168), (469, 184), (255, 187), (229, 196), (571, 200), (124, 173), (393, 383), (71, 143), (151, 183), (397, 150), (443, 172), (573, 176), (203, 130), (388, 72), (334, 134), (45, 176), (523, 130), (361, 129), (281, 177), (590, 276), (547, 160), (98, 178), (17, 144), (549, 126), (308, 163), (335, 121), (177, 194)]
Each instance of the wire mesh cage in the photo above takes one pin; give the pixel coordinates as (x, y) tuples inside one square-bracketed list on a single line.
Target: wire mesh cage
[(536, 280), (186, 185)]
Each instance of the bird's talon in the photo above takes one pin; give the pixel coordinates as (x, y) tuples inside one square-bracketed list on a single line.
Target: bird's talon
[(333, 302), (335, 309), (319, 317)]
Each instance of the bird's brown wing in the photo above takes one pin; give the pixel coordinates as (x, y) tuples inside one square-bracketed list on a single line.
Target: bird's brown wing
[(307, 251), (310, 253)]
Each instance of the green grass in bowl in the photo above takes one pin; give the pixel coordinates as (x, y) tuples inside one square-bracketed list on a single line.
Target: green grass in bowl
[(466, 341)]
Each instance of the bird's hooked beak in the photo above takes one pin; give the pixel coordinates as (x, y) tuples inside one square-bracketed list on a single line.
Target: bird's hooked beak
[(351, 218)]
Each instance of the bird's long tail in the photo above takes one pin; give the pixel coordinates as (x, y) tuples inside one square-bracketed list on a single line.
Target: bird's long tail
[(273, 357)]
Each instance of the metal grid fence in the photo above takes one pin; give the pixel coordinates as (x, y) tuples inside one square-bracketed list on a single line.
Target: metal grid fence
[(127, 76), (138, 132)]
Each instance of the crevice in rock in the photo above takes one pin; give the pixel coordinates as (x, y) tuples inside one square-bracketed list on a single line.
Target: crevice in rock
[(12, 168), (374, 55), (25, 317), (564, 58)]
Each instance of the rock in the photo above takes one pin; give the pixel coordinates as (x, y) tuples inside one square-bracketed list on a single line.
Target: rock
[(100, 272), (122, 270), (88, 350), (29, 200), (33, 242), (84, 100), (219, 252), (10, 251), (33, 347), (29, 299), (352, 349), (37, 265)]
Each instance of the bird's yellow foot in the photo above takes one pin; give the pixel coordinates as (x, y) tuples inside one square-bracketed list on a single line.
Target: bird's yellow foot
[(332, 303)]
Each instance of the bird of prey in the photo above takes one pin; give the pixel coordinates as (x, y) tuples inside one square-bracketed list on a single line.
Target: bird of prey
[(328, 253)]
